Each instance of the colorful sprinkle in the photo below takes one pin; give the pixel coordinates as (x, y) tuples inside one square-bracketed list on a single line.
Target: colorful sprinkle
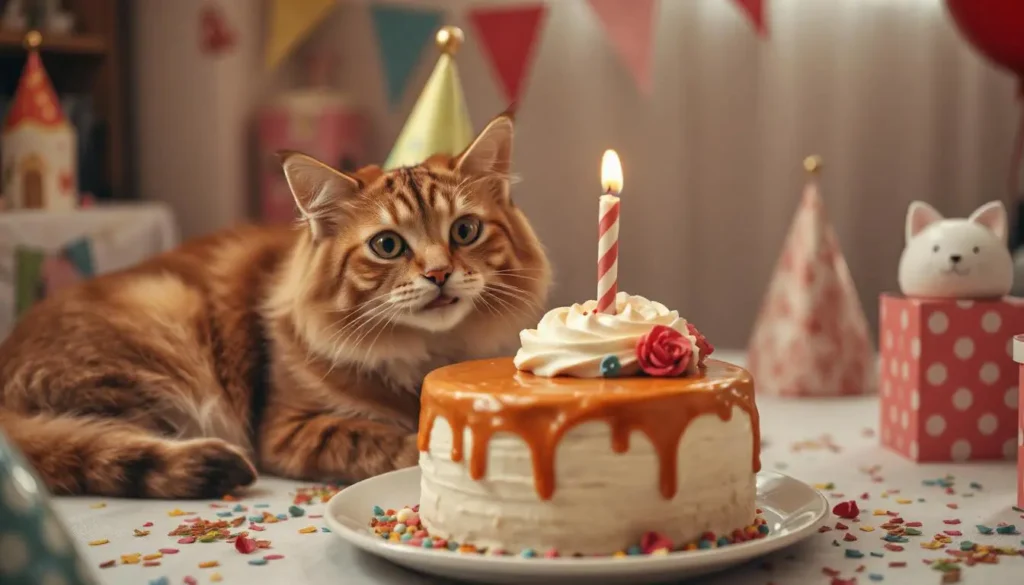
[(108, 564), (853, 554), (177, 512), (296, 511), (274, 557), (208, 564), (1008, 529), (98, 542), (169, 551), (98, 505), (610, 366), (307, 530), (160, 581), (216, 578), (984, 529), (257, 561)]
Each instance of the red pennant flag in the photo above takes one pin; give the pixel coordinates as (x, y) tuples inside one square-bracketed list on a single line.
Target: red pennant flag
[(755, 12), (508, 35), (630, 26)]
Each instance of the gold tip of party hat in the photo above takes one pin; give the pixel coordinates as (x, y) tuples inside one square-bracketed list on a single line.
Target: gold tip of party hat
[(449, 39)]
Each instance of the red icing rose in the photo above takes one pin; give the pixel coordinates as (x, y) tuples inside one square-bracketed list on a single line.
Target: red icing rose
[(703, 344), (847, 510), (663, 352)]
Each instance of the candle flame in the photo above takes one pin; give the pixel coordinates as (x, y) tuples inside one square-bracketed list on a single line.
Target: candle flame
[(611, 173)]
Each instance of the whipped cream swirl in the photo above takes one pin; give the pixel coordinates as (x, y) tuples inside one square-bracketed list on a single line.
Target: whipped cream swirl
[(572, 341)]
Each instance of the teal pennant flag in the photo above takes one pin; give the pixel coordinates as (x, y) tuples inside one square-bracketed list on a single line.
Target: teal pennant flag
[(402, 32)]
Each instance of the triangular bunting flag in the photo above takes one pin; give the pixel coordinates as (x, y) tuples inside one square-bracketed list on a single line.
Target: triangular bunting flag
[(439, 122), (755, 12), (811, 338), (290, 22), (402, 33), (28, 278), (629, 25), (508, 35)]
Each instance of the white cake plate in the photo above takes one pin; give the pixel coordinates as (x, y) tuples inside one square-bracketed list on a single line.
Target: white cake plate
[(792, 509)]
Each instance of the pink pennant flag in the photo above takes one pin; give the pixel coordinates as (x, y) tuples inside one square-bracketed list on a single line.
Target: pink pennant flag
[(508, 35), (755, 12), (629, 25)]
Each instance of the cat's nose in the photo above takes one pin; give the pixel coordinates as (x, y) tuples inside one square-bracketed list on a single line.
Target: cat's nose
[(438, 276), (955, 258)]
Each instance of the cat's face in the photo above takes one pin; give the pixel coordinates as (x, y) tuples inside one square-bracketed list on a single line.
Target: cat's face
[(431, 248), (956, 258)]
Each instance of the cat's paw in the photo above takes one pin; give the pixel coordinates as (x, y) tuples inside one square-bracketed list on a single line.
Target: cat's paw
[(206, 468), (409, 455)]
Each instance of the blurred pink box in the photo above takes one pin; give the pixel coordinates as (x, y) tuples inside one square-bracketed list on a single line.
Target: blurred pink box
[(314, 122), (949, 384), (1018, 356)]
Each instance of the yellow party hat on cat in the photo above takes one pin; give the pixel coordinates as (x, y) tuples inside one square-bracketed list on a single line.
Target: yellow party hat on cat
[(439, 122)]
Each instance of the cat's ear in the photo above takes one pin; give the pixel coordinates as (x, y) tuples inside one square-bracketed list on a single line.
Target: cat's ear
[(919, 216), (318, 190), (490, 154), (991, 216)]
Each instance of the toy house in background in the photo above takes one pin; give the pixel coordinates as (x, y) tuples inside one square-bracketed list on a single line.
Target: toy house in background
[(38, 144), (949, 389)]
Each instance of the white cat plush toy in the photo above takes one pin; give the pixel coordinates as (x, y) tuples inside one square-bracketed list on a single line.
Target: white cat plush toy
[(956, 258)]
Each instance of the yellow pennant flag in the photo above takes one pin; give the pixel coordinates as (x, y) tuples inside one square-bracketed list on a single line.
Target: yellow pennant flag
[(439, 122), (290, 22)]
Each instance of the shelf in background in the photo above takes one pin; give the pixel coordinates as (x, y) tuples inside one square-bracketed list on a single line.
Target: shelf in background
[(77, 44)]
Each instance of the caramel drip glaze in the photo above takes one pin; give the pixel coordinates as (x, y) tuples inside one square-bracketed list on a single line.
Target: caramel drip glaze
[(490, 396)]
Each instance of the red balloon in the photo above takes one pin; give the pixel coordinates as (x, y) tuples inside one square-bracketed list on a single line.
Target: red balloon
[(994, 27)]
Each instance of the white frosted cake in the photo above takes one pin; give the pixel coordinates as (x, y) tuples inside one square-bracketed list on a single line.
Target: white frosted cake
[(603, 428)]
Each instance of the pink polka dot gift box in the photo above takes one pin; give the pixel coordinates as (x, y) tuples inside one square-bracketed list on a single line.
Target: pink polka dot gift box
[(948, 381), (1018, 356)]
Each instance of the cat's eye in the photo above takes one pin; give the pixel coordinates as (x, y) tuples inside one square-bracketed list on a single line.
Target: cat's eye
[(465, 230), (388, 245), (977, 249), (935, 248)]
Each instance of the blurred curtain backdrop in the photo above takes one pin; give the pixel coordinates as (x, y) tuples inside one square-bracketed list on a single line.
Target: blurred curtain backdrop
[(897, 104)]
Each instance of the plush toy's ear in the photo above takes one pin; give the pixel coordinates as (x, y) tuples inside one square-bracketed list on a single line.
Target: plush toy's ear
[(919, 216), (318, 190), (992, 216)]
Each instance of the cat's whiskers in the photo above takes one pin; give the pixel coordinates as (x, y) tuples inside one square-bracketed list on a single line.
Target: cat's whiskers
[(514, 292), (390, 321)]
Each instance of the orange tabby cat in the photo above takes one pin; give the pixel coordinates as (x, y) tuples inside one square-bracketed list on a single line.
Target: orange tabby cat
[(299, 350)]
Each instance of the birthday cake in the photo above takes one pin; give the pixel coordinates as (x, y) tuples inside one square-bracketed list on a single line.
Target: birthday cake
[(605, 426)]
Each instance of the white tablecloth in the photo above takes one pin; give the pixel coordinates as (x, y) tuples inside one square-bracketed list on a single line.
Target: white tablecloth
[(113, 236), (818, 441)]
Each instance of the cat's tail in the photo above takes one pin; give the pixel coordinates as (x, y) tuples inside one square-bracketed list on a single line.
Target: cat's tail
[(107, 457)]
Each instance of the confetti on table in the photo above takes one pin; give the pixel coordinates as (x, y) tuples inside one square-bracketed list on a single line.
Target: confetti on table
[(216, 578), (131, 559), (867, 528), (98, 505), (169, 551), (160, 581), (825, 486), (824, 529), (151, 564), (880, 513), (245, 545), (875, 576), (897, 564), (849, 537), (953, 506), (257, 561), (177, 512), (274, 557), (108, 564), (138, 532), (841, 526), (952, 521), (877, 554), (984, 529), (1008, 529), (208, 564), (847, 510), (152, 557), (98, 542), (893, 547), (296, 511), (187, 540), (190, 580), (829, 571), (307, 530), (852, 553), (952, 533)]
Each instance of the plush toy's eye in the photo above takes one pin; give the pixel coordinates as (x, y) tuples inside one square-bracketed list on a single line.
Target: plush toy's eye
[(935, 248), (977, 249)]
